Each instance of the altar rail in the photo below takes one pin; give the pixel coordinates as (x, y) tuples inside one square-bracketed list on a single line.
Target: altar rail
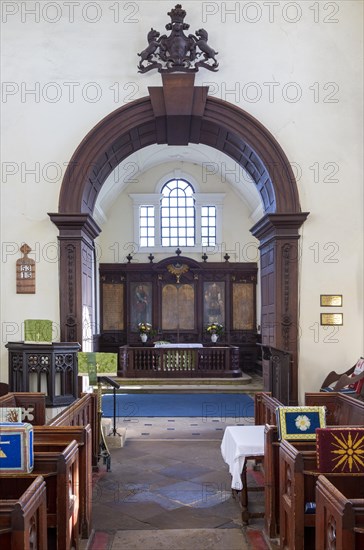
[(152, 362)]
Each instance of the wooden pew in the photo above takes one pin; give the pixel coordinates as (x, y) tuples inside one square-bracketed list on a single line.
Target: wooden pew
[(265, 408), (298, 476), (23, 517), (32, 404), (60, 470), (82, 412), (76, 422), (342, 410), (339, 517), (47, 438), (265, 413)]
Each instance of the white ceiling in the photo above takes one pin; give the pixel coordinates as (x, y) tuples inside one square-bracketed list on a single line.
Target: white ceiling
[(148, 157)]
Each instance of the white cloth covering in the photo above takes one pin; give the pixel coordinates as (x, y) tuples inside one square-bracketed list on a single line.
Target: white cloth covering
[(172, 346), (237, 443)]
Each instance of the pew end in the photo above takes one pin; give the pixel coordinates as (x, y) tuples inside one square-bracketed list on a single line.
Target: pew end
[(340, 516)]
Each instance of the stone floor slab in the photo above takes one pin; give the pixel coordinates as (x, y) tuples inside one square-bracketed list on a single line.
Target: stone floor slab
[(183, 539)]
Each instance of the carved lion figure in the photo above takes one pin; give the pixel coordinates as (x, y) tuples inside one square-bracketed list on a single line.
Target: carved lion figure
[(153, 44), (208, 52)]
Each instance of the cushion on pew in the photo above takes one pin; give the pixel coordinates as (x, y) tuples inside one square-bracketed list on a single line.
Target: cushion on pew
[(347, 390), (342, 382), (300, 423), (340, 450), (16, 448), (10, 414), (358, 370)]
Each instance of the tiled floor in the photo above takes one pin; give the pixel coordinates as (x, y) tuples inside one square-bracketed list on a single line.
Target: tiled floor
[(170, 488), (191, 429)]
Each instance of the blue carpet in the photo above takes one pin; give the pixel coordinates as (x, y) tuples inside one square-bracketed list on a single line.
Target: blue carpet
[(205, 405)]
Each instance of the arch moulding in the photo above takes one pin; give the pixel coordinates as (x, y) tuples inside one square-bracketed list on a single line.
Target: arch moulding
[(179, 113)]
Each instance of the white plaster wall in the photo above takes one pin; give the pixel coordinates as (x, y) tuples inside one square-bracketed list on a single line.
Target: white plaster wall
[(296, 66), (117, 239)]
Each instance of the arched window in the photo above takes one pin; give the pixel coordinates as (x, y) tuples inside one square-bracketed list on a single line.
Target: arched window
[(177, 214)]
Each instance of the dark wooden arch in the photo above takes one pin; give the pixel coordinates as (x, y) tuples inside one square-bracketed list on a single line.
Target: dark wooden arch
[(180, 113), (160, 118)]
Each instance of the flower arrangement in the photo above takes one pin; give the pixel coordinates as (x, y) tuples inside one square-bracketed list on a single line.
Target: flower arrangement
[(215, 328), (145, 328)]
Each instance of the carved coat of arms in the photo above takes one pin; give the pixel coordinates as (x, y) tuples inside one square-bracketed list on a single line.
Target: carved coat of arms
[(177, 52)]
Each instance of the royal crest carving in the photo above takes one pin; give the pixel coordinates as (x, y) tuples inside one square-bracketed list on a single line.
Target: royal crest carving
[(177, 52)]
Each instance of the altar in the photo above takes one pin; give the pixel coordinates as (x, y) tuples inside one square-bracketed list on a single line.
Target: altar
[(176, 346), (179, 361), (178, 307)]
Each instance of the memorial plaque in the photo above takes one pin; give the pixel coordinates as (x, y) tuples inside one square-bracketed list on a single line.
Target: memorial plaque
[(243, 306), (331, 319), (331, 300), (113, 306)]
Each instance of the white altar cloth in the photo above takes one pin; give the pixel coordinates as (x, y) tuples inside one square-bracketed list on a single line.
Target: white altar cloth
[(172, 346), (239, 442)]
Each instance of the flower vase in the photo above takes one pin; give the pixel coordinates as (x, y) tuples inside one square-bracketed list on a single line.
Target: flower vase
[(144, 337), (214, 338)]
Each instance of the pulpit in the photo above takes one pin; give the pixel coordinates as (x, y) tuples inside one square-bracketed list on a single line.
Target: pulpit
[(49, 368)]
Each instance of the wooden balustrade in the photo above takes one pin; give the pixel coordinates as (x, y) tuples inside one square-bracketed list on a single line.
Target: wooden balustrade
[(203, 362)]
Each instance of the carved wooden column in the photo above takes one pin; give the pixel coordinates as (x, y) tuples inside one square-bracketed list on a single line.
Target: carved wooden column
[(77, 268), (279, 257)]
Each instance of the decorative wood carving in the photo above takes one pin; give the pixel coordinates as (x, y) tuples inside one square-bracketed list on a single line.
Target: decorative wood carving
[(178, 270), (25, 272), (177, 52), (182, 297)]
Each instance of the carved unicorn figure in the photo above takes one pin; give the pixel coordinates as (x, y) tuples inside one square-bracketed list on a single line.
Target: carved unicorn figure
[(201, 42)]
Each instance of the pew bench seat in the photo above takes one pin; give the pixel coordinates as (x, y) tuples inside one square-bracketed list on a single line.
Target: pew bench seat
[(23, 517), (60, 471), (342, 410), (339, 517), (298, 477)]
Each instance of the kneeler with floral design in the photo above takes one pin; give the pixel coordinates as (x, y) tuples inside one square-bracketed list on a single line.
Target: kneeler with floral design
[(300, 423)]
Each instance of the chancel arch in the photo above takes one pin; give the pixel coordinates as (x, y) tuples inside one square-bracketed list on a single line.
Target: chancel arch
[(162, 118)]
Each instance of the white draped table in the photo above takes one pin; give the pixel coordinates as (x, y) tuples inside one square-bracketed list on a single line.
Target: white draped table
[(173, 346), (238, 443)]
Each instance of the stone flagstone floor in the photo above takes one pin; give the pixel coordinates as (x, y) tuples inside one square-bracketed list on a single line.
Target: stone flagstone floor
[(170, 488)]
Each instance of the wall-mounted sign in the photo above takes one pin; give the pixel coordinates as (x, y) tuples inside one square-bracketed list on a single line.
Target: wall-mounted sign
[(330, 319), (331, 300), (25, 272)]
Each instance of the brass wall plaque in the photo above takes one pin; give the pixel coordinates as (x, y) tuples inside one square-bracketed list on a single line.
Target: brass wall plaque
[(331, 319), (331, 300)]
